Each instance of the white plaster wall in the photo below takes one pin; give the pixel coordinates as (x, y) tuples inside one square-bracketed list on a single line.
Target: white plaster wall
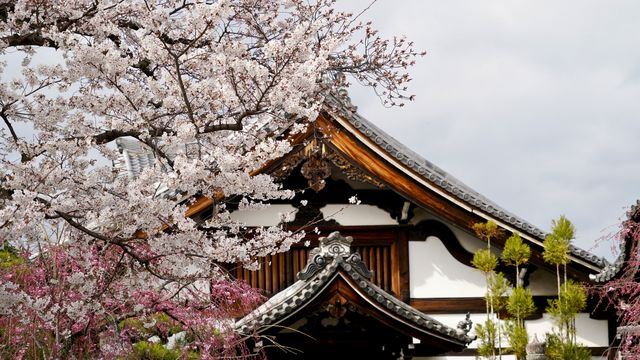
[(434, 272), (269, 216), (543, 282), (357, 214), (468, 241), (345, 214), (590, 332)]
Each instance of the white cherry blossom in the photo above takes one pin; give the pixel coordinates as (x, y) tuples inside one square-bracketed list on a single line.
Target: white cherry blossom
[(206, 88)]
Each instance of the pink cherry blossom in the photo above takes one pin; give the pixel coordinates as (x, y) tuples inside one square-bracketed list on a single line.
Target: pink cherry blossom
[(96, 261)]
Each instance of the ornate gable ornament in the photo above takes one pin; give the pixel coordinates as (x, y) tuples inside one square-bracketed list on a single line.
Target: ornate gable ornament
[(336, 248), (316, 159)]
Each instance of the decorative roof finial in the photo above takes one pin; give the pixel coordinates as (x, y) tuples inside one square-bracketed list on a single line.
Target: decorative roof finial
[(342, 94), (334, 248), (466, 324), (338, 95)]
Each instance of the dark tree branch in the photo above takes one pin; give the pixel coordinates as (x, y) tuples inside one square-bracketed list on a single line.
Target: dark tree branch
[(9, 126), (30, 39)]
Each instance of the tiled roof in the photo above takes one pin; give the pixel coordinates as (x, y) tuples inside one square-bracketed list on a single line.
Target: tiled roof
[(135, 157), (445, 181), (323, 266), (611, 270)]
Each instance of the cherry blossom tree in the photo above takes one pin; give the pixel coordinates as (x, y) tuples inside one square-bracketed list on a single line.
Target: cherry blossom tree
[(622, 292), (93, 262)]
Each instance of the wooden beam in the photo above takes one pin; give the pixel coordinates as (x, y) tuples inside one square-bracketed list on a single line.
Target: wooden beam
[(371, 163), (399, 180), (403, 265), (470, 304)]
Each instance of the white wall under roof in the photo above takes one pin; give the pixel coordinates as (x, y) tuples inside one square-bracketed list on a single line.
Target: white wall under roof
[(590, 332), (345, 214), (269, 216), (357, 214), (435, 273), (468, 241)]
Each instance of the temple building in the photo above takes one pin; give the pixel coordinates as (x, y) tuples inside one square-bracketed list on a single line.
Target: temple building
[(390, 276)]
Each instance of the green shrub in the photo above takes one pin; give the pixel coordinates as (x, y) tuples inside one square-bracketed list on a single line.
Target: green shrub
[(518, 339), (484, 261), (145, 350)]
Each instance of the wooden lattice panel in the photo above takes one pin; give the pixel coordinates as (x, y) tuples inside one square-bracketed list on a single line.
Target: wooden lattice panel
[(277, 272), (381, 250)]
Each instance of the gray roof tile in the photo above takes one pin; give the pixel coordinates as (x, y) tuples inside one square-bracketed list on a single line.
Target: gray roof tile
[(324, 262)]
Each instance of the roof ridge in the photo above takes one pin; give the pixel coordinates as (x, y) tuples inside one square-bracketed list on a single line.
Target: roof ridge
[(340, 102)]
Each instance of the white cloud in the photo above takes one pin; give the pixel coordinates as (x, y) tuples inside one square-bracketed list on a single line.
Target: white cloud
[(533, 104)]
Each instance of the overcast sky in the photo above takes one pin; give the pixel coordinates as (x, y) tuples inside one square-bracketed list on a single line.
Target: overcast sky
[(534, 104)]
